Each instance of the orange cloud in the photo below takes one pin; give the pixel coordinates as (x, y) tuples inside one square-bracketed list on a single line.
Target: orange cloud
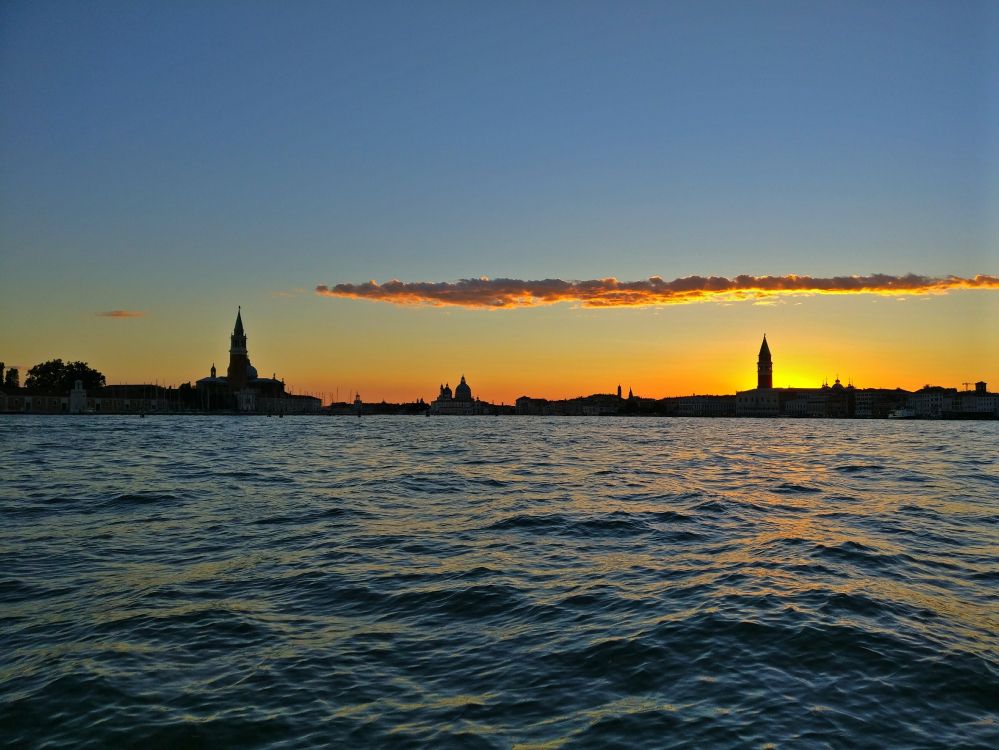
[(120, 314), (510, 293)]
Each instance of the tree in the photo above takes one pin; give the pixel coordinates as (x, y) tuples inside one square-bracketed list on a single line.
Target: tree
[(13, 378), (59, 377)]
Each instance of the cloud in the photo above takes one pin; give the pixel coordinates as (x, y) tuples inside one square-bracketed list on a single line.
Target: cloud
[(120, 314), (498, 294)]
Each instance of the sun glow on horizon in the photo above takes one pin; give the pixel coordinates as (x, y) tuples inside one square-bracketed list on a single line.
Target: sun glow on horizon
[(399, 354)]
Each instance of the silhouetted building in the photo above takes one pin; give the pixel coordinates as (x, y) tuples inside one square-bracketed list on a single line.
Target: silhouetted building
[(242, 389), (932, 401), (460, 403), (758, 402), (878, 403), (764, 367), (976, 404), (704, 406), (762, 401), (530, 406), (597, 405), (835, 401), (113, 399)]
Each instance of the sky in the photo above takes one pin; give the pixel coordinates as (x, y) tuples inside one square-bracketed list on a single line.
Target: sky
[(173, 160)]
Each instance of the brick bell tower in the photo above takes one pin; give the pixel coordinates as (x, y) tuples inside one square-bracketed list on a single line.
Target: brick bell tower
[(764, 367), (238, 359)]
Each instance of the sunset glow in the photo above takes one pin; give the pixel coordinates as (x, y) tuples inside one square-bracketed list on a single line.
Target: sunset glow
[(629, 199)]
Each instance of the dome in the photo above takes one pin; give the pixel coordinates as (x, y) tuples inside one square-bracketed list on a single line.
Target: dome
[(251, 371), (462, 392)]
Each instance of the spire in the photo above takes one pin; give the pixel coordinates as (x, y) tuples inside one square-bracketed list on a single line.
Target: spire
[(764, 366), (239, 369), (764, 349)]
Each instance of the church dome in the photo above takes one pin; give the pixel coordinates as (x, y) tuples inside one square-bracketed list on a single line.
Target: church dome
[(251, 371), (462, 392)]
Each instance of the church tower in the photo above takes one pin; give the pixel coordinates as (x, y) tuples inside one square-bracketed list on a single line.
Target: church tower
[(238, 359), (764, 367)]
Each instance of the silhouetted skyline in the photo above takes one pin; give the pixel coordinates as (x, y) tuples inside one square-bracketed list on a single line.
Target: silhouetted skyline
[(241, 391)]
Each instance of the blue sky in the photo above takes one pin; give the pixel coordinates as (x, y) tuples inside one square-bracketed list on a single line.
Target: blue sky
[(186, 155)]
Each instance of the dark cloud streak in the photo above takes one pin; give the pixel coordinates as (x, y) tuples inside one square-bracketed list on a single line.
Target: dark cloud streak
[(501, 294)]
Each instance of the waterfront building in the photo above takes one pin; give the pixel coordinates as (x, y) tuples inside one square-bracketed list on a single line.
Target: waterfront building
[(242, 389), (704, 406), (764, 367), (763, 400), (112, 399), (976, 404), (459, 403), (830, 401), (758, 402), (878, 403), (937, 402), (597, 405), (932, 401), (530, 406)]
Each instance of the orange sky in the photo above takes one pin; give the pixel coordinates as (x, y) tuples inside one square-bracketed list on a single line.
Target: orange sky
[(789, 172), (321, 345)]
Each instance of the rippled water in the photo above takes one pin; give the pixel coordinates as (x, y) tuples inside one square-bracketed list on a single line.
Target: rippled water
[(498, 581)]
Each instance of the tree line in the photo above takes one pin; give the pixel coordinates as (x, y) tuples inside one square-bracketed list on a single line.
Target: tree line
[(56, 376)]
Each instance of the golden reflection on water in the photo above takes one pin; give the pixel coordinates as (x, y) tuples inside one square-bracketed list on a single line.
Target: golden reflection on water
[(575, 541)]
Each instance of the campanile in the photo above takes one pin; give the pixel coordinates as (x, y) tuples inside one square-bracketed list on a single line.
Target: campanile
[(238, 359), (764, 367)]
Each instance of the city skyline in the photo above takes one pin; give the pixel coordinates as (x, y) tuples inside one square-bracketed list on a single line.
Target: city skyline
[(58, 387), (244, 387)]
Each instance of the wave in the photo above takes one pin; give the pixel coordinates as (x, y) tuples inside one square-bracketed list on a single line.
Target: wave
[(598, 583)]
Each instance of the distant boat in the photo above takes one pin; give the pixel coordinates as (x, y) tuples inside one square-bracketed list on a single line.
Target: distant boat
[(902, 414)]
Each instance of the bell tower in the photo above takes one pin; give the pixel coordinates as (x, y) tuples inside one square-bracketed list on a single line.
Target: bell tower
[(764, 367), (238, 359)]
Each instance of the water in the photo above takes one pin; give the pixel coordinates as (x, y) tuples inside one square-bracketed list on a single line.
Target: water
[(489, 582)]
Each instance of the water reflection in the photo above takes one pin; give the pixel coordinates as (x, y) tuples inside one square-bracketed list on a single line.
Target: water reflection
[(499, 581)]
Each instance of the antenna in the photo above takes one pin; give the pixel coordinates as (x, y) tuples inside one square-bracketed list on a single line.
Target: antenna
[(966, 384)]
